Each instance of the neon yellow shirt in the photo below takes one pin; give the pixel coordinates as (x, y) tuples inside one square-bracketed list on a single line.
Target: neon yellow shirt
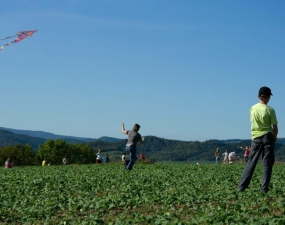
[(262, 117)]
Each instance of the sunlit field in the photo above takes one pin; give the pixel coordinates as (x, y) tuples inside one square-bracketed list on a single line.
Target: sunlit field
[(150, 194)]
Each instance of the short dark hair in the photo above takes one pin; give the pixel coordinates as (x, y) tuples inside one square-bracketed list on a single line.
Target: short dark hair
[(136, 127)]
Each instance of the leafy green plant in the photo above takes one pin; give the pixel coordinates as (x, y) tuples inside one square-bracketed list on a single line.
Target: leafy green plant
[(149, 194)]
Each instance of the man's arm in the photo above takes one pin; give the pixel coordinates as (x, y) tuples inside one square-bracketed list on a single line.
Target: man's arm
[(123, 128), (275, 132)]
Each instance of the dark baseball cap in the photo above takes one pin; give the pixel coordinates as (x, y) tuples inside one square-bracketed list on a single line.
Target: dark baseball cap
[(266, 91)]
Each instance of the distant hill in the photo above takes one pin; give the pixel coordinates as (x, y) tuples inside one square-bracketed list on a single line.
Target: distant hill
[(281, 140), (156, 148), (47, 135), (7, 138), (233, 141), (108, 139), (160, 149)]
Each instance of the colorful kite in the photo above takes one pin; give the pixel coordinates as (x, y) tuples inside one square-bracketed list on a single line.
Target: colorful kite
[(21, 36)]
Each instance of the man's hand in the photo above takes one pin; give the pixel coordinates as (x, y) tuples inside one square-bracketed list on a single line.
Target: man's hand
[(123, 129)]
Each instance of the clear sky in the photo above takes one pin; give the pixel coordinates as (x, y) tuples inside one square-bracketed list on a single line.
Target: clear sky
[(183, 70)]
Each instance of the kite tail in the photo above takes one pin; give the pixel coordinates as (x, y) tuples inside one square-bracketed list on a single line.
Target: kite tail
[(7, 44)]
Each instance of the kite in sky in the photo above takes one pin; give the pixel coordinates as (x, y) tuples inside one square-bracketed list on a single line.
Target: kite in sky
[(21, 36)]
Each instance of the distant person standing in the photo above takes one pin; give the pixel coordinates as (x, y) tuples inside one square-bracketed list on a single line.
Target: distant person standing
[(64, 161), (8, 163), (99, 157), (217, 155), (225, 154), (246, 152), (123, 157), (106, 158), (124, 160), (264, 132), (44, 162), (133, 138), (142, 157)]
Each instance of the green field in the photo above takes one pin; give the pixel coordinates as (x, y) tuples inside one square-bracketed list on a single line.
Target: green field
[(150, 194)]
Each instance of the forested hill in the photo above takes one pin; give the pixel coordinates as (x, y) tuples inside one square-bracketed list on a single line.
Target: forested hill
[(155, 148), (47, 135), (7, 138), (160, 149)]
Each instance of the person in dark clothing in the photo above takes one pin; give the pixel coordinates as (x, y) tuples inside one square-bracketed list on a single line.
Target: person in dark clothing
[(133, 138)]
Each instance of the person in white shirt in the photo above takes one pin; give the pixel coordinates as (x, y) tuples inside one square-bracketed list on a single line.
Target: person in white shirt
[(232, 157), (225, 154), (124, 160), (99, 157)]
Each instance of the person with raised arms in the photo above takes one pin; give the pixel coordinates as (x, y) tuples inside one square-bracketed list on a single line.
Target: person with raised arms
[(246, 152), (133, 138)]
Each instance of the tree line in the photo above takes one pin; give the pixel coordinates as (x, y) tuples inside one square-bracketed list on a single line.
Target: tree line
[(53, 151), (160, 149), (154, 148)]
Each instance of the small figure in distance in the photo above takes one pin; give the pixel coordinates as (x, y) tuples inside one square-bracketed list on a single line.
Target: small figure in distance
[(217, 155), (133, 138), (225, 154), (124, 160), (99, 157), (246, 152), (44, 162), (64, 161), (142, 157), (8, 163), (123, 157), (106, 158), (264, 131), (232, 157)]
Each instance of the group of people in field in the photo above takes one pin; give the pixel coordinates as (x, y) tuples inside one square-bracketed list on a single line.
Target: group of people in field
[(126, 161), (231, 157), (264, 131), (133, 138), (100, 158), (44, 163)]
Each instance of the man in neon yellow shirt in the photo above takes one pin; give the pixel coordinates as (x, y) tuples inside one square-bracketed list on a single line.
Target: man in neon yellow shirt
[(264, 132)]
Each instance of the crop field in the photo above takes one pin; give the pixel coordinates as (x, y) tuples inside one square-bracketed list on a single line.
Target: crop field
[(150, 194)]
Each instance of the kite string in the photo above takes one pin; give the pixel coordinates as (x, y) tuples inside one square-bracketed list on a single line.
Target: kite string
[(9, 37)]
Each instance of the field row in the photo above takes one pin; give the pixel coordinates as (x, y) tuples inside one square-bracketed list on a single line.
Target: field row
[(150, 194)]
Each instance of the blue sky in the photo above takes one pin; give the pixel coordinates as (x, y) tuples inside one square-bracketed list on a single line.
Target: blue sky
[(184, 70)]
